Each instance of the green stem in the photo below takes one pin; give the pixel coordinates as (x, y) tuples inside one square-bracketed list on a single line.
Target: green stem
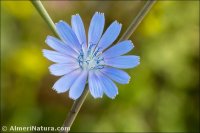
[(137, 20), (42, 11), (75, 109)]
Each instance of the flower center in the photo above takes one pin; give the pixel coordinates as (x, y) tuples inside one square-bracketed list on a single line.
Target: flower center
[(91, 59)]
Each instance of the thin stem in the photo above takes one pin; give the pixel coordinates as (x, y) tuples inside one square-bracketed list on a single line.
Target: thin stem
[(78, 103), (75, 109), (137, 20), (42, 11)]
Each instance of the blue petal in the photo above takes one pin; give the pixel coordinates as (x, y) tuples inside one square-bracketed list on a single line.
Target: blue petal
[(78, 28), (129, 61), (59, 46), (116, 75), (78, 86), (110, 35), (62, 69), (118, 49), (57, 57), (65, 82), (108, 85), (67, 35), (96, 28), (94, 85)]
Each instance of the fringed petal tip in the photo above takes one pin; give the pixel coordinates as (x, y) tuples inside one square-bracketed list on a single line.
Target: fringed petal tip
[(138, 60), (118, 23), (72, 98), (75, 15), (99, 13), (60, 21), (114, 96), (57, 90)]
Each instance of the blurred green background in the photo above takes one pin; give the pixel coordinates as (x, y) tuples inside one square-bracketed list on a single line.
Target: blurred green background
[(163, 94)]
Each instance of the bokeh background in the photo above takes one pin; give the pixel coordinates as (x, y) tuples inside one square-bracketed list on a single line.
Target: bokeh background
[(163, 94)]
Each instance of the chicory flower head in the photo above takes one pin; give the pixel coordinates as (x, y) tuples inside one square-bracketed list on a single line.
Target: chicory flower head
[(79, 60)]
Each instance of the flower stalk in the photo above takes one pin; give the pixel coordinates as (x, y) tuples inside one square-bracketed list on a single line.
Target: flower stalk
[(44, 14), (132, 27), (75, 109), (137, 20)]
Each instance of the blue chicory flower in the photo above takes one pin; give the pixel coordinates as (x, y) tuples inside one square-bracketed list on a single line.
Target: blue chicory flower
[(79, 61)]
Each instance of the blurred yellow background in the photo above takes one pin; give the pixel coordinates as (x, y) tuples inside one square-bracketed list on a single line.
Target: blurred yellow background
[(163, 94)]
